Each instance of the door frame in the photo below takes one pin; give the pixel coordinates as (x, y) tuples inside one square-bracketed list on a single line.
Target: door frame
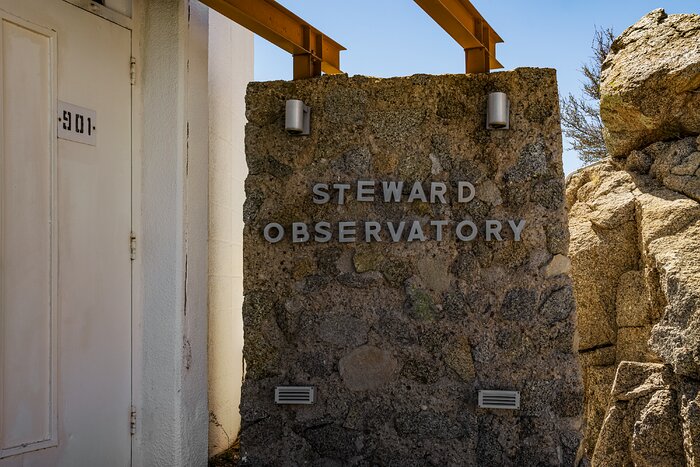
[(137, 311), (169, 43)]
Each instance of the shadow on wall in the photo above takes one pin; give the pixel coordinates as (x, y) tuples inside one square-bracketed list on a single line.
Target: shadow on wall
[(230, 70)]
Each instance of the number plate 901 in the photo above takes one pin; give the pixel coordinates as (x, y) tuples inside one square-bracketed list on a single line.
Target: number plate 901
[(77, 123)]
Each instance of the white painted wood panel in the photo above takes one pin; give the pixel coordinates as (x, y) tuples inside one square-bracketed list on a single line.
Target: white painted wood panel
[(27, 278), (92, 309)]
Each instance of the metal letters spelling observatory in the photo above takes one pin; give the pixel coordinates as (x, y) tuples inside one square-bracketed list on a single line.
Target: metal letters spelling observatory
[(370, 191)]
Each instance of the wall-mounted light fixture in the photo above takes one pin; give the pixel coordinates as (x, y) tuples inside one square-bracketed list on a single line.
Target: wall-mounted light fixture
[(498, 111), (297, 117)]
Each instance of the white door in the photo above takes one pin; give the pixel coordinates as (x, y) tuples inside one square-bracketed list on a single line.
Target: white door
[(65, 222)]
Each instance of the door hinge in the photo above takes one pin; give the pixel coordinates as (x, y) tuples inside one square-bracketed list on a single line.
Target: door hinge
[(132, 420), (132, 71), (132, 246)]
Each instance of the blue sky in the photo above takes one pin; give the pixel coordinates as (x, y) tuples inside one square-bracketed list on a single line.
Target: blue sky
[(388, 38)]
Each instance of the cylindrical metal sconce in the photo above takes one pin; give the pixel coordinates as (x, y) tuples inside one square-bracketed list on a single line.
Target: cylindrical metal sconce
[(297, 117), (497, 113)]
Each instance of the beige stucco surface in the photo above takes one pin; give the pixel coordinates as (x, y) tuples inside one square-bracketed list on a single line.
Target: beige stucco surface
[(230, 70)]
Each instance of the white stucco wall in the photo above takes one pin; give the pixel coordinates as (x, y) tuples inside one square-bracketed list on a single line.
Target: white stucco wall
[(230, 70), (170, 221), (189, 120)]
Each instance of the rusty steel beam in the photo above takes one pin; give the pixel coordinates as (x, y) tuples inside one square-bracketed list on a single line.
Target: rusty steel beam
[(313, 51), (465, 25)]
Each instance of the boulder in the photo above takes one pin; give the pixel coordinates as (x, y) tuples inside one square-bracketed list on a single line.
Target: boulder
[(643, 426), (656, 437), (634, 380), (600, 255), (689, 397), (676, 338), (650, 83)]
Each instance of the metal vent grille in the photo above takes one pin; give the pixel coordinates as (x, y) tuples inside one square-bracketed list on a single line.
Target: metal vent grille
[(499, 400), (294, 395)]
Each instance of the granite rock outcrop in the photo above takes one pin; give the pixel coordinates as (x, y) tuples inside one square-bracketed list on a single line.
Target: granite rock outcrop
[(634, 221), (635, 253)]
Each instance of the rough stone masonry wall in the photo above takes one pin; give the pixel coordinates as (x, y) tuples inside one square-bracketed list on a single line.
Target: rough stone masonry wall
[(398, 337)]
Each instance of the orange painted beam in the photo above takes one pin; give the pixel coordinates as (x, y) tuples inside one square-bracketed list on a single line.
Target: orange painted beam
[(465, 25), (313, 51)]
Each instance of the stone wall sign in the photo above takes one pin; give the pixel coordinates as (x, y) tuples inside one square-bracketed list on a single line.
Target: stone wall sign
[(373, 231), (400, 258)]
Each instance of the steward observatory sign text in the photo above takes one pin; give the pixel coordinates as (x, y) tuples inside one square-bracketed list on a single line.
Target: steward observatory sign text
[(395, 231)]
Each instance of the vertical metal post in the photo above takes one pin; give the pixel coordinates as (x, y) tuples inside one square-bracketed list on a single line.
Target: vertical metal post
[(477, 60), (303, 66), (308, 65)]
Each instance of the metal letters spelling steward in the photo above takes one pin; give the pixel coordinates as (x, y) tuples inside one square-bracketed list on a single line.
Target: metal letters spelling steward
[(373, 231)]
